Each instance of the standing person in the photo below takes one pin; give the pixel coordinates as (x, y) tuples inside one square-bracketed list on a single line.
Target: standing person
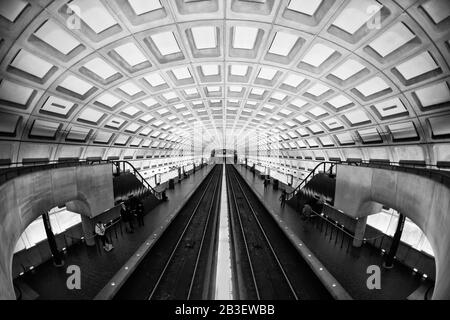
[(100, 230), (140, 213), (130, 214), (306, 212), (266, 183), (320, 203), (125, 217), (123, 212), (283, 198)]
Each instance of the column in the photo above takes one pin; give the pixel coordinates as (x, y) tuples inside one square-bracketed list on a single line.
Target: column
[(246, 149), (57, 259), (88, 226), (360, 230), (389, 262)]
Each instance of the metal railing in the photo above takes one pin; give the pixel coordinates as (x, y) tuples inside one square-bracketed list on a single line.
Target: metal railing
[(430, 171), (313, 173), (16, 169), (125, 166), (337, 232)]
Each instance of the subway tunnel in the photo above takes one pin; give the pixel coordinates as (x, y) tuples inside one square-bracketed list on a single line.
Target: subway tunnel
[(224, 149)]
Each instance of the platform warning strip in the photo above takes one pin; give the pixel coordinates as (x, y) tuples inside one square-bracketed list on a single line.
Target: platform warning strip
[(328, 280), (108, 292)]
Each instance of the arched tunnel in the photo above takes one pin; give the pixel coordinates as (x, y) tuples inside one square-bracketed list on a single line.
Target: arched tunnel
[(225, 149)]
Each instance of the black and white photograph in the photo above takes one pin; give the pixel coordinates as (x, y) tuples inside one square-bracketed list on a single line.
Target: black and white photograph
[(225, 158)]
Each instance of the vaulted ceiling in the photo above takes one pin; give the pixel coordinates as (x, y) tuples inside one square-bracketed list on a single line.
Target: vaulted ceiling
[(326, 75)]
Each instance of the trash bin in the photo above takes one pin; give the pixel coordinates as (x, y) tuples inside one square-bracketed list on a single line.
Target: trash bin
[(171, 184), (275, 184)]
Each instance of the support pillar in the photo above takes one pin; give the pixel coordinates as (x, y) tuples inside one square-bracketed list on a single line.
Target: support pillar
[(389, 262), (360, 230), (88, 226), (57, 259)]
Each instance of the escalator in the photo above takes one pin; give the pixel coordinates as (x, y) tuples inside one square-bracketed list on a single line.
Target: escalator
[(129, 183), (320, 184)]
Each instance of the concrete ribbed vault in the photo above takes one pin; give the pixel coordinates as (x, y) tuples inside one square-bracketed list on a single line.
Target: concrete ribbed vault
[(306, 79)]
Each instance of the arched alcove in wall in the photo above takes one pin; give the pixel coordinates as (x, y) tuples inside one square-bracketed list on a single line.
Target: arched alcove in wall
[(87, 190), (360, 191), (413, 249), (33, 249)]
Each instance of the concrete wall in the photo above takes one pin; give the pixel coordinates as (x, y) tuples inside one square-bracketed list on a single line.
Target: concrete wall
[(26, 197), (361, 190)]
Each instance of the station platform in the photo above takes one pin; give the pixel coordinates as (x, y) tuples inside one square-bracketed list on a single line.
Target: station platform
[(98, 266), (347, 264)]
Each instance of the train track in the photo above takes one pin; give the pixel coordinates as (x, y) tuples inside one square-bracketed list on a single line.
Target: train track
[(180, 265), (265, 263)]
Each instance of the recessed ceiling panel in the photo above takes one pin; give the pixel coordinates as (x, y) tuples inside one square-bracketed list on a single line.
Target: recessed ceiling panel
[(283, 43), (244, 37), (350, 73), (317, 55), (57, 106), (12, 92), (29, 63), (166, 43), (308, 7), (131, 54), (57, 37), (348, 69), (356, 14), (76, 85), (94, 14), (392, 39), (100, 68), (205, 37), (417, 66), (144, 6)]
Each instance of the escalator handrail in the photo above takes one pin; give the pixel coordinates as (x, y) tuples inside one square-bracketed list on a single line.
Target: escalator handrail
[(302, 183), (20, 168), (441, 175), (157, 194)]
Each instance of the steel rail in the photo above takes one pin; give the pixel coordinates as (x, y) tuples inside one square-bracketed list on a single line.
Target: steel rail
[(265, 236), (233, 196), (169, 260), (205, 229)]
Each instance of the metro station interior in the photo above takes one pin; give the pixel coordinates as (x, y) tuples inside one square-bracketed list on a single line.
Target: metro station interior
[(224, 150)]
